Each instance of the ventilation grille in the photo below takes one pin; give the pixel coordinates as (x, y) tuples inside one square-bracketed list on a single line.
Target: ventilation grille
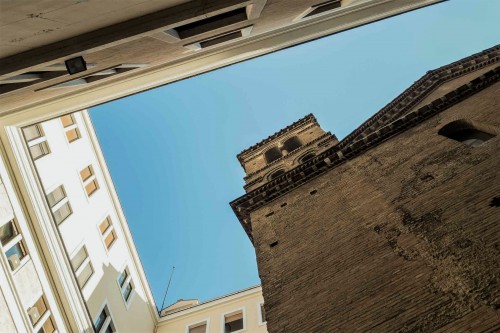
[(96, 76), (220, 39), (320, 9), (39, 75), (209, 24)]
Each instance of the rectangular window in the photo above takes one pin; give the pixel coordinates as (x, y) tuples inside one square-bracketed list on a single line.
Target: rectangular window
[(67, 120), (70, 127), (37, 310), (7, 232), (59, 204), (89, 180), (91, 187), (198, 328), (12, 244), (125, 283), (37, 143), (48, 326), (82, 266), (87, 172), (262, 313), (107, 231), (33, 132), (104, 322), (40, 317), (122, 278), (110, 239), (73, 134), (233, 322), (15, 254)]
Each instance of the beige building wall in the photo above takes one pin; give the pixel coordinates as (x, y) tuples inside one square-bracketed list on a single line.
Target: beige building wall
[(247, 302)]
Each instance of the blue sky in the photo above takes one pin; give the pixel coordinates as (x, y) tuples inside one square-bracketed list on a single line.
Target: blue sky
[(172, 150)]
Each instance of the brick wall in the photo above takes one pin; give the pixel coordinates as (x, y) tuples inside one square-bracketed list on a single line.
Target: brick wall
[(399, 239)]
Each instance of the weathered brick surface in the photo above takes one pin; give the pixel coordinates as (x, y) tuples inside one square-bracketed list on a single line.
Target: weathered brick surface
[(399, 239)]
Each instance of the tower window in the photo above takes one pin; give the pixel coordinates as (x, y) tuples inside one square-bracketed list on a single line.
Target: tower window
[(292, 143), (307, 157), (276, 174), (466, 132), (272, 154)]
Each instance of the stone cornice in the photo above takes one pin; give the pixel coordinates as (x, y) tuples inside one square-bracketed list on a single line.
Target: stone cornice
[(339, 154), (325, 136), (307, 119), (422, 88)]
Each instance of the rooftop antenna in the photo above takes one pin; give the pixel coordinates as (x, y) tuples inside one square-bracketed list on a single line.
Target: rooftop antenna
[(166, 291)]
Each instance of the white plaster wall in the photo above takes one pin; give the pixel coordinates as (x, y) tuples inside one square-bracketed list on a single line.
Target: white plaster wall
[(6, 321), (6, 212), (62, 166), (27, 284)]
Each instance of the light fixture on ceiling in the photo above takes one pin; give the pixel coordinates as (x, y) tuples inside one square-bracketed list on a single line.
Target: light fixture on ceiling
[(76, 65)]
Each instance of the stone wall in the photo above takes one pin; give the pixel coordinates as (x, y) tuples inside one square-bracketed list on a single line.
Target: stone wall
[(403, 238)]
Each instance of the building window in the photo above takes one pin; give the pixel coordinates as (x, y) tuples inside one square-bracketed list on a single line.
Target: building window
[(272, 154), (40, 317), (108, 233), (37, 310), (59, 204), (126, 285), (306, 157), (291, 144), (48, 326), (104, 323), (82, 266), (262, 314), (276, 174), (12, 244), (70, 127), (198, 328), (469, 133), (89, 180), (37, 143), (234, 322)]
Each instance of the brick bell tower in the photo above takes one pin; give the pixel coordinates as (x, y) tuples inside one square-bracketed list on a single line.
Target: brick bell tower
[(284, 150), (276, 158)]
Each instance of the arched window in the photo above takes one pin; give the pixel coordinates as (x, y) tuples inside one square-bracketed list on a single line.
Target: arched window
[(272, 154), (465, 131), (307, 157), (292, 143), (276, 174)]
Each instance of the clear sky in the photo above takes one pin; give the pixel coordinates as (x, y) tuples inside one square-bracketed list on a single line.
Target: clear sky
[(172, 150)]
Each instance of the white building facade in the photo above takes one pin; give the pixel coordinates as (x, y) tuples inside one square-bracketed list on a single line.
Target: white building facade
[(68, 261), (79, 241)]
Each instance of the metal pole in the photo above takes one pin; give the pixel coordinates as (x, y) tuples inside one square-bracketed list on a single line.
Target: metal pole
[(166, 291)]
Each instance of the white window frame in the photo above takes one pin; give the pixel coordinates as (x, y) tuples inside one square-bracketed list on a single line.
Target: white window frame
[(45, 316), (58, 205), (88, 180), (259, 312), (110, 320), (110, 229), (84, 263), (73, 126), (36, 141), (127, 281), (232, 312), (193, 325), (15, 240)]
